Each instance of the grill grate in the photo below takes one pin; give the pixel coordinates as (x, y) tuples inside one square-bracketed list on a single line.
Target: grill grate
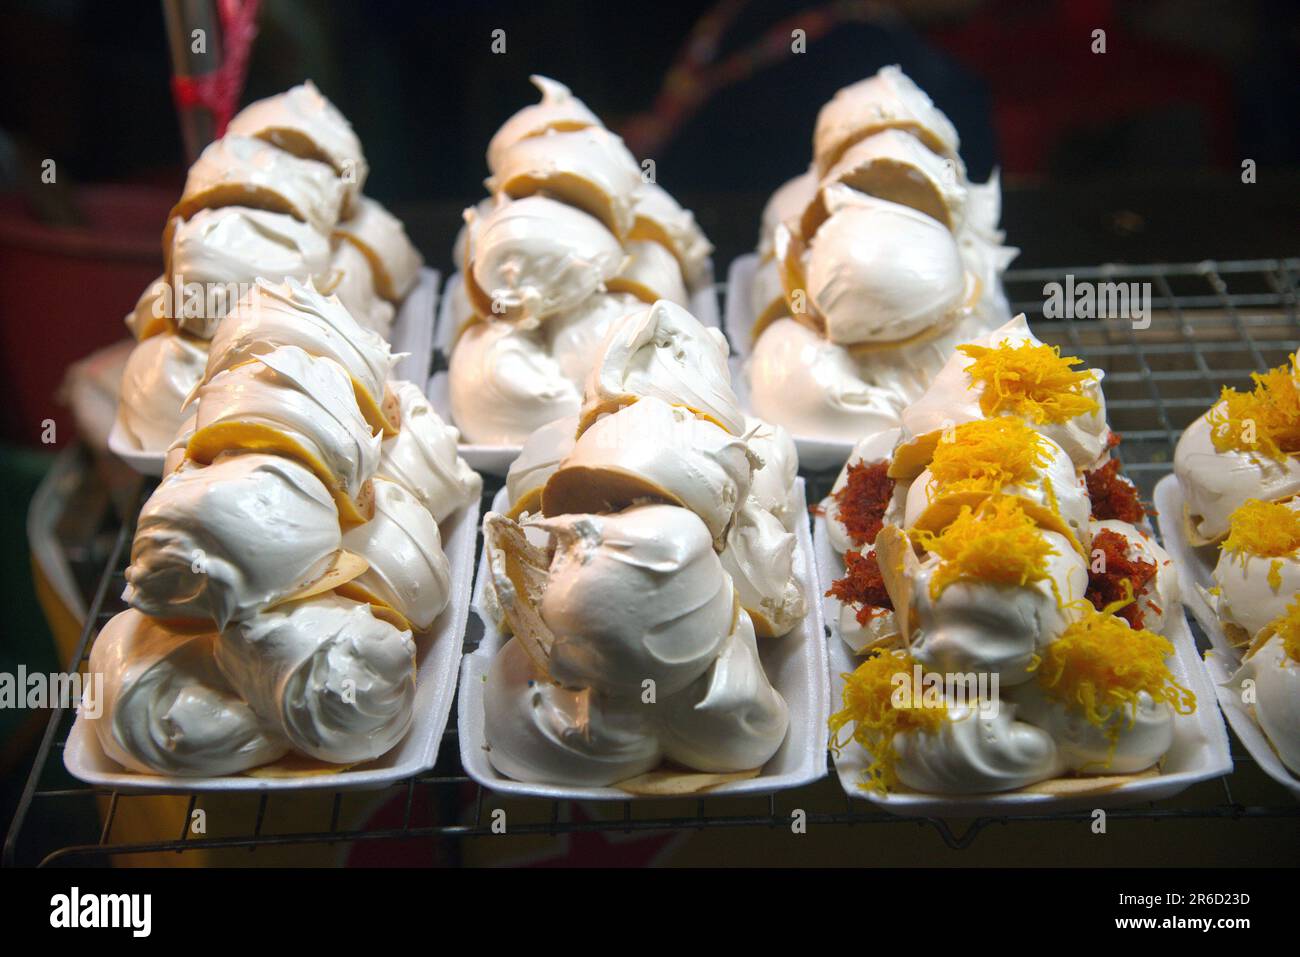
[(1211, 324)]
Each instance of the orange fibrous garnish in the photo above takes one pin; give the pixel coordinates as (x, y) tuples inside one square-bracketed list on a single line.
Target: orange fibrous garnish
[(862, 585), (1266, 529), (1288, 629), (996, 543), (1265, 420), (988, 455), (869, 706), (1031, 380), (1124, 579), (861, 503), (1112, 495)]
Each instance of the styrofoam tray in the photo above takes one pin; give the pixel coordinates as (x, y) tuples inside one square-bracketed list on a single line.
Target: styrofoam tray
[(1222, 660), (1199, 752), (738, 319), (453, 310), (795, 664), (438, 654), (412, 333)]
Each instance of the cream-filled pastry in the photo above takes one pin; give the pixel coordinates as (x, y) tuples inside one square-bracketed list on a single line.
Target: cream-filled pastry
[(1122, 557), (160, 373), (1142, 735), (864, 497), (422, 456), (149, 315), (878, 272), (504, 384), (353, 281), (243, 171), (651, 273), (1009, 372), (766, 297), (295, 314), (223, 542), (574, 337), (532, 258), (786, 205), (537, 730), (303, 122), (335, 680), (380, 235), (812, 386), (1274, 668), (559, 110), (166, 707), (1258, 572), (759, 556), (589, 169), (773, 483), (1246, 447), (665, 352), (176, 452), (226, 250), (293, 403), (408, 572), (461, 244), (651, 451), (887, 100), (538, 460), (659, 218), (730, 718)]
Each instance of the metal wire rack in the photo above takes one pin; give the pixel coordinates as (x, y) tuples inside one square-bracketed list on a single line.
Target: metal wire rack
[(1210, 324)]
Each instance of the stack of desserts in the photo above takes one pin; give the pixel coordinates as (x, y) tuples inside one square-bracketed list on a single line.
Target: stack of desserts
[(1238, 466), (873, 265), (994, 566), (647, 552), (574, 235), (278, 197)]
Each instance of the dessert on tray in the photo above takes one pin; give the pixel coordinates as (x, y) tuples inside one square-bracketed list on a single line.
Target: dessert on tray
[(1009, 610), (573, 236), (646, 556), (290, 559), (873, 264), (277, 198)]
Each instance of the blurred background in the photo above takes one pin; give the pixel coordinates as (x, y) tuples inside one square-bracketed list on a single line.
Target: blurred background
[(1134, 154)]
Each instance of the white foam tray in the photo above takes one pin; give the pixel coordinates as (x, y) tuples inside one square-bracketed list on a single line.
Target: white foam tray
[(496, 459), (815, 454), (1199, 752), (1221, 661), (438, 653), (412, 333), (795, 664)]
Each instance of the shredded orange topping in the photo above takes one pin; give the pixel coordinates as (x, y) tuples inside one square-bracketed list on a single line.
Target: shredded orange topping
[(1264, 420), (1288, 629), (862, 585), (1101, 665), (1112, 495), (1124, 579), (988, 455), (1031, 380), (1266, 529), (870, 708), (996, 542)]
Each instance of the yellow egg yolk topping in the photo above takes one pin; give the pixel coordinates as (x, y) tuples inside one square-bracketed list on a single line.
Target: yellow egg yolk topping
[(1031, 380), (988, 455), (1264, 420), (996, 542)]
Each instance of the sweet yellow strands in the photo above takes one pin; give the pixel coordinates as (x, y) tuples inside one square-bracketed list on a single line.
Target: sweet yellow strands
[(869, 707), (996, 542), (1030, 380), (1264, 420), (1288, 629), (1267, 530), (988, 455)]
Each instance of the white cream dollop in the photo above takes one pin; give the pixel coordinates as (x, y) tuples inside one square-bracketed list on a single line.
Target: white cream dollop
[(661, 219), (1142, 736), (1246, 598), (538, 460), (773, 485), (422, 456), (759, 556), (1276, 697), (381, 237), (574, 337), (559, 110), (160, 373)]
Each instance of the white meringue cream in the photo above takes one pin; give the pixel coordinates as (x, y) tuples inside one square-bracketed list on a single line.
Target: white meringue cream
[(1276, 697), (535, 257), (759, 557), (665, 352), (303, 122), (887, 100), (538, 460), (784, 206), (167, 709), (651, 273), (773, 484), (335, 680), (559, 110), (660, 219), (635, 597), (975, 752), (730, 718), (380, 235), (149, 316), (539, 731), (176, 452), (160, 373), (860, 636), (1161, 600), (766, 297), (1254, 590), (422, 457), (1142, 736), (650, 451), (812, 386), (504, 384), (353, 281), (574, 337), (242, 171), (223, 542), (228, 249)]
